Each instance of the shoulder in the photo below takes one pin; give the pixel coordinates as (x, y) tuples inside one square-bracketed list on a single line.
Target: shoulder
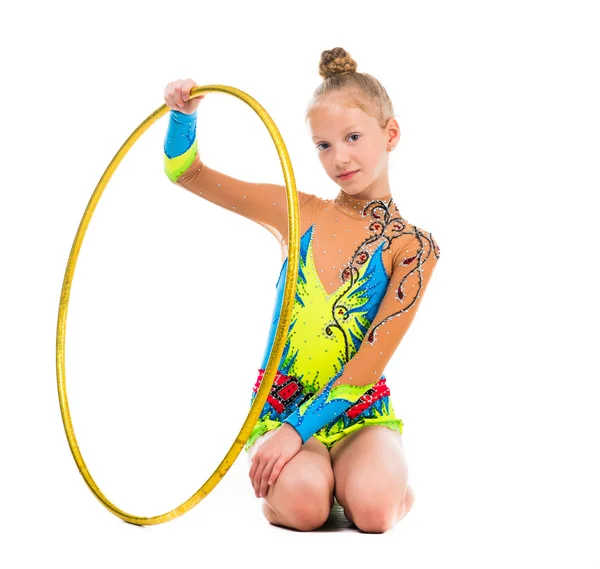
[(311, 200), (309, 206), (412, 241)]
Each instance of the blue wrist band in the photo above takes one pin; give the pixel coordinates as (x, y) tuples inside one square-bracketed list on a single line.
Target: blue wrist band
[(181, 133), (180, 147), (325, 407)]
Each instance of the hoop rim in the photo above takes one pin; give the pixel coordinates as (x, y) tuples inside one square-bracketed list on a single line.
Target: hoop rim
[(280, 334)]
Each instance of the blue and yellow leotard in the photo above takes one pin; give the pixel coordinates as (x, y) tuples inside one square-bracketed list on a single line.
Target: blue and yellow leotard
[(363, 270)]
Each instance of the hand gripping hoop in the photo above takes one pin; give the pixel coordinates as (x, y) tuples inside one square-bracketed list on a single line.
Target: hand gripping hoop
[(280, 335)]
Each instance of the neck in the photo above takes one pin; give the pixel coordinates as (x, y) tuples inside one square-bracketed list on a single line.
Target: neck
[(361, 208)]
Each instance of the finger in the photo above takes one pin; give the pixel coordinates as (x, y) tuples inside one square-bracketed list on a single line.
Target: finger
[(265, 477), (171, 96), (254, 463), (178, 99), (277, 468), (253, 467), (186, 88), (258, 475)]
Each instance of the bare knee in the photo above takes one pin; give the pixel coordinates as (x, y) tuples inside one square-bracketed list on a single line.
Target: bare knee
[(303, 504), (377, 519), (373, 512)]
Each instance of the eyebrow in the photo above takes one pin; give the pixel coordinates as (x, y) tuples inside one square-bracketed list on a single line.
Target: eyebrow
[(347, 128)]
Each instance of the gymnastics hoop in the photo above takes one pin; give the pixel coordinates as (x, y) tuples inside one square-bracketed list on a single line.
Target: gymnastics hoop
[(280, 335)]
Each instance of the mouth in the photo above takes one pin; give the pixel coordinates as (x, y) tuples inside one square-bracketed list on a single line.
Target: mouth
[(347, 175)]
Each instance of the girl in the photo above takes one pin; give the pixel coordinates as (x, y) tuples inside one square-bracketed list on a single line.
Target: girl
[(328, 428)]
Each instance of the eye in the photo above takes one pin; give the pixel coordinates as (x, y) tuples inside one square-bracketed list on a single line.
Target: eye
[(349, 136)]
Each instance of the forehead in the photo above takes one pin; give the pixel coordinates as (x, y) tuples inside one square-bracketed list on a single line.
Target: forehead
[(334, 116)]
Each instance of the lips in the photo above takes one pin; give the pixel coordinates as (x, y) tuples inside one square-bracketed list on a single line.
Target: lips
[(347, 175)]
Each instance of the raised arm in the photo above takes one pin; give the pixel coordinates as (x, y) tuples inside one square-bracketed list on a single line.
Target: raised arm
[(265, 204), (413, 265)]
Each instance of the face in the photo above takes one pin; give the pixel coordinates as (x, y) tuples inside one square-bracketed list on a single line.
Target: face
[(348, 139)]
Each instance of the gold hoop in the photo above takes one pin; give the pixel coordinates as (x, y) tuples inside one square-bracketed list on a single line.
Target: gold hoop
[(280, 335)]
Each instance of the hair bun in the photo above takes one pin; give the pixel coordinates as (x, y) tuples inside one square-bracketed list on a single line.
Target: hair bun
[(336, 61)]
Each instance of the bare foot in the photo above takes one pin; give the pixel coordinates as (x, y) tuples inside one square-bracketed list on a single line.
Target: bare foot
[(409, 500), (270, 514)]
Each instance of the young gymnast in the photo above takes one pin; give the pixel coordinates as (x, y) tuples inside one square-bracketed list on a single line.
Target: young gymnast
[(328, 429)]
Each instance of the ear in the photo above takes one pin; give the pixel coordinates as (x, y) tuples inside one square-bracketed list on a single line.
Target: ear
[(392, 132)]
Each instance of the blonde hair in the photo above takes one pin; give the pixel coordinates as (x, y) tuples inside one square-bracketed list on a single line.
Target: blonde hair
[(360, 90)]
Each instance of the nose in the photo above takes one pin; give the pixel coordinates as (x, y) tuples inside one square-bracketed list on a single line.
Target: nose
[(340, 157)]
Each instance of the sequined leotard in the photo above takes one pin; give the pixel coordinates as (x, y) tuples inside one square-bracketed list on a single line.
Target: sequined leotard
[(363, 270)]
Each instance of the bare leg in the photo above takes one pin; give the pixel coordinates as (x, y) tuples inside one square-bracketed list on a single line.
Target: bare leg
[(371, 478), (302, 496)]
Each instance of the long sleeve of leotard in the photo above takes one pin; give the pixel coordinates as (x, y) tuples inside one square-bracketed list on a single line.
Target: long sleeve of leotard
[(413, 263), (265, 204)]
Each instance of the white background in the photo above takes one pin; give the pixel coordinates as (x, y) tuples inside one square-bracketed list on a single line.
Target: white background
[(496, 381)]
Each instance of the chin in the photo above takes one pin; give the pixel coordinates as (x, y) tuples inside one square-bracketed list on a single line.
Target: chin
[(350, 188), (353, 191)]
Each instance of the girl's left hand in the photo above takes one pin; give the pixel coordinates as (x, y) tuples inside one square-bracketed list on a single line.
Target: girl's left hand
[(272, 456)]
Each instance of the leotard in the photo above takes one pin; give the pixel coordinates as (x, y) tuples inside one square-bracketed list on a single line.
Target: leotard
[(363, 270)]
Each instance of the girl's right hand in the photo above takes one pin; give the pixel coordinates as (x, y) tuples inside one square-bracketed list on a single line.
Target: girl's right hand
[(177, 96)]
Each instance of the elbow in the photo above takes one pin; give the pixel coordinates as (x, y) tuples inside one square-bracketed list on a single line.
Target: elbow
[(170, 173)]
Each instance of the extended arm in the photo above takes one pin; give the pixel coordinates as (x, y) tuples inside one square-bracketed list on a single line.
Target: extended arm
[(265, 204)]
